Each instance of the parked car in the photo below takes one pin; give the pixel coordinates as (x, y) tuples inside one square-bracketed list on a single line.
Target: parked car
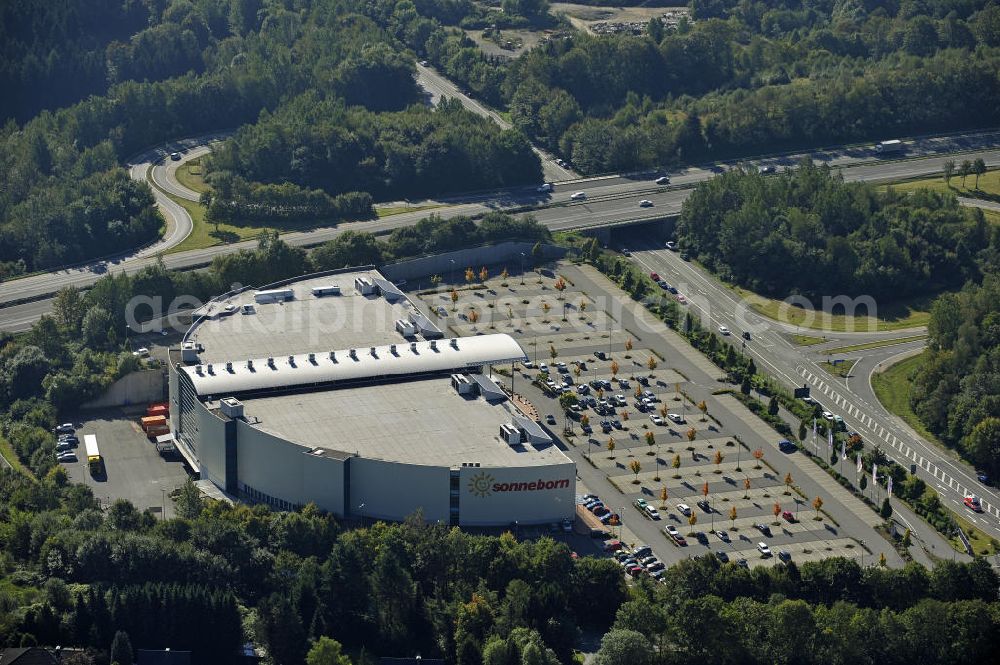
[(676, 417), (606, 519), (788, 516), (787, 446), (654, 276), (723, 536), (657, 420), (643, 551), (65, 428), (544, 188), (722, 556), (647, 561), (742, 563), (655, 567), (550, 419), (768, 169), (785, 555), (652, 513), (671, 245), (764, 550), (175, 156), (705, 505), (763, 528), (671, 530), (66, 457), (567, 526), (684, 509)]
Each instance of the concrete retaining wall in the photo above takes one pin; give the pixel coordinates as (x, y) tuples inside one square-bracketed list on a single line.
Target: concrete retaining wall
[(139, 387)]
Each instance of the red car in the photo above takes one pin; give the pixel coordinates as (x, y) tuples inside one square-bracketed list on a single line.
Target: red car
[(788, 516), (973, 504), (655, 277)]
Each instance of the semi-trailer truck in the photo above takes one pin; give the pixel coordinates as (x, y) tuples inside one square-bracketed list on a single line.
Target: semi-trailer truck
[(891, 146)]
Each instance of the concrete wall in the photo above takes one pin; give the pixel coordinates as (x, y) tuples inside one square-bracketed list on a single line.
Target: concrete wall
[(139, 387), (287, 471), (210, 446), (487, 498), (392, 491), (440, 264)]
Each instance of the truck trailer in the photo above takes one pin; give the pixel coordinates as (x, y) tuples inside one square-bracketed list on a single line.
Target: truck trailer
[(887, 147)]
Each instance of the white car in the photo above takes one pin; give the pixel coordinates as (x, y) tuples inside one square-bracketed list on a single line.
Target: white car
[(66, 457), (578, 196), (657, 420), (828, 416), (653, 513), (645, 203), (663, 180), (724, 331), (671, 245), (424, 63), (684, 509), (671, 530), (676, 417), (542, 367), (764, 550), (141, 352), (528, 364), (542, 189)]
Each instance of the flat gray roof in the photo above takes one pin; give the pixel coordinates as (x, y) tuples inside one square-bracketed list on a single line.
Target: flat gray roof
[(415, 422), (305, 323)]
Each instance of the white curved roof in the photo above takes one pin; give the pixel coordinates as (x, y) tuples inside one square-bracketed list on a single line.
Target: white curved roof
[(406, 358)]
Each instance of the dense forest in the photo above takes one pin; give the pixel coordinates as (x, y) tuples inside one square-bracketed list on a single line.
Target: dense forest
[(956, 391), (808, 232)]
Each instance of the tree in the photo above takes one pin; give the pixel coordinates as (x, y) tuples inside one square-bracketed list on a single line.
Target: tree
[(327, 651), (628, 342), (776, 509), (624, 647), (504, 275), (732, 516), (691, 434), (121, 649), (560, 286), (614, 368), (651, 363), (758, 455), (982, 444), (717, 458), (553, 353), (693, 518), (949, 170), (788, 481), (676, 464), (636, 467), (746, 488), (473, 316), (965, 170), (817, 504), (704, 489), (772, 406), (454, 298), (979, 168), (703, 407), (484, 274), (664, 495), (470, 275), (545, 308), (189, 502), (885, 512), (611, 447), (96, 327)]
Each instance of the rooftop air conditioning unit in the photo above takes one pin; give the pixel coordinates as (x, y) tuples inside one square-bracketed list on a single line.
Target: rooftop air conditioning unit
[(312, 357), (249, 364), (413, 347), (353, 354), (291, 360), (229, 367), (434, 345), (270, 363), (333, 356), (372, 351), (392, 349), (197, 370), (454, 342), (211, 370)]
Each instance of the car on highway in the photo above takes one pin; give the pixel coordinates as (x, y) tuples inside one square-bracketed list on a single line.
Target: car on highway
[(645, 203), (973, 503), (685, 256), (578, 196), (626, 251), (544, 188), (827, 416), (764, 550), (175, 156), (657, 420), (561, 162), (681, 299), (724, 331), (768, 169), (671, 245), (662, 180), (983, 478), (746, 335), (684, 509)]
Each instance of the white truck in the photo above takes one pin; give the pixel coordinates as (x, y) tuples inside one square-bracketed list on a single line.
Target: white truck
[(888, 147)]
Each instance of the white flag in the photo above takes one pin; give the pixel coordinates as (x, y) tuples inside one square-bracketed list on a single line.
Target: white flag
[(859, 462), (874, 473), (843, 450), (814, 428), (829, 440), (888, 486)]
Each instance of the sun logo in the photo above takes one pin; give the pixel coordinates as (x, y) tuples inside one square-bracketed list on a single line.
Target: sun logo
[(480, 484)]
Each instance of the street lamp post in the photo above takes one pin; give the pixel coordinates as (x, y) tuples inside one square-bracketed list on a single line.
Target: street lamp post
[(522, 268), (452, 272)]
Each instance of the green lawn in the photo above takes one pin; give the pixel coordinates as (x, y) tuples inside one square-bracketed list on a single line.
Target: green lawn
[(842, 370), (205, 234), (912, 313), (189, 174), (989, 186), (388, 211), (874, 345), (892, 387), (7, 452), (807, 340)]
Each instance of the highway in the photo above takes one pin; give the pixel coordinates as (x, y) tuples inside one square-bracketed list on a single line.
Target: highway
[(853, 399)]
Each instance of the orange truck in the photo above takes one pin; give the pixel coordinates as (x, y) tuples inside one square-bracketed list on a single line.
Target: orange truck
[(158, 409)]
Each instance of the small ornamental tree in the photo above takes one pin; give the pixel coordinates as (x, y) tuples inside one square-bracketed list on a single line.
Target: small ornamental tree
[(454, 298), (746, 488), (664, 495), (776, 509), (611, 447), (636, 467), (732, 516), (704, 489), (473, 316), (651, 363), (614, 368), (758, 455), (676, 464), (504, 275), (704, 410), (628, 344), (560, 286), (788, 482), (552, 351), (484, 274), (691, 434), (470, 275), (718, 459), (817, 504), (693, 518)]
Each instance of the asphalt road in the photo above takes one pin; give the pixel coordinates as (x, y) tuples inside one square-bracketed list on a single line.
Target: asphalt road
[(853, 400)]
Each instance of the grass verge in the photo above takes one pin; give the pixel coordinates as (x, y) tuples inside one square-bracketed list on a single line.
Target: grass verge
[(204, 234), (189, 174), (989, 186), (7, 451), (982, 545), (388, 211), (892, 387), (874, 345), (807, 340), (843, 369), (912, 313)]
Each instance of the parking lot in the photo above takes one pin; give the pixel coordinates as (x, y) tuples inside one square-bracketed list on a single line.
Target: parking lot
[(638, 433), (134, 469)]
